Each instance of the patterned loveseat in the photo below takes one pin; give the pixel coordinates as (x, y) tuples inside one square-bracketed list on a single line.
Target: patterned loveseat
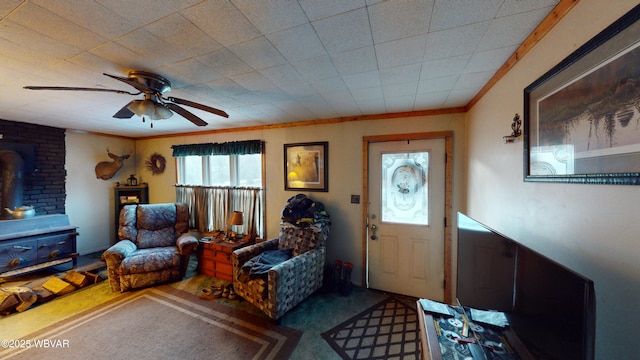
[(154, 246), (291, 281)]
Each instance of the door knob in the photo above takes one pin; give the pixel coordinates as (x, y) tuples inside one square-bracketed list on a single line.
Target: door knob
[(373, 232)]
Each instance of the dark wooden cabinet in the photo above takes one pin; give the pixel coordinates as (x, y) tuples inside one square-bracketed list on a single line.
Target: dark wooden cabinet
[(128, 195)]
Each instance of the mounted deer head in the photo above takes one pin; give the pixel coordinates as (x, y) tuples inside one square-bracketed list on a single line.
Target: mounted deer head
[(105, 169)]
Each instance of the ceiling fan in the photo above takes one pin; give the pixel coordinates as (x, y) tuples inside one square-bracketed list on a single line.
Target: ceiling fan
[(154, 105)]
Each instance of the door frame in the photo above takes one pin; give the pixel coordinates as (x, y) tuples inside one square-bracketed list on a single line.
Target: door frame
[(448, 196)]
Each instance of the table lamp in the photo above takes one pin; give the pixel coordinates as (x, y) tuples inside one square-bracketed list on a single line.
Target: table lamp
[(234, 220)]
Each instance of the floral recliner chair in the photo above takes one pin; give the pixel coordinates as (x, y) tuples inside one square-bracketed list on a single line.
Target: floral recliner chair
[(289, 282), (154, 246)]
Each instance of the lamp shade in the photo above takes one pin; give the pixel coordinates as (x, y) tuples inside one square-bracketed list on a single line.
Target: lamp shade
[(236, 218), (142, 107), (161, 113)]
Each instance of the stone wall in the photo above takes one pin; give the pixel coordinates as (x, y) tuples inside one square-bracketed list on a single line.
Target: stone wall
[(44, 182)]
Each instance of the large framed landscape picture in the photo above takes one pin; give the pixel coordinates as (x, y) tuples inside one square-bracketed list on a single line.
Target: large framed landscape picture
[(582, 118)]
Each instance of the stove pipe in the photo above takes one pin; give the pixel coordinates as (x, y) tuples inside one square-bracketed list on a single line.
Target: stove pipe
[(12, 180)]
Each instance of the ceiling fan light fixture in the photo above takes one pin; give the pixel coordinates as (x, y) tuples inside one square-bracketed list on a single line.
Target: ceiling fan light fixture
[(161, 113), (142, 107)]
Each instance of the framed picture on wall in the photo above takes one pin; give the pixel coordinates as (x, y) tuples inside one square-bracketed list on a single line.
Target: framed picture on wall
[(582, 118), (306, 166)]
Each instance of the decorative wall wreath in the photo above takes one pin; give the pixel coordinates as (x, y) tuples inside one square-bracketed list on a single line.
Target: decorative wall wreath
[(156, 163)]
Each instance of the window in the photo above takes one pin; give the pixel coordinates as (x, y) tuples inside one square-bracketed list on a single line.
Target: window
[(221, 170), (217, 179)]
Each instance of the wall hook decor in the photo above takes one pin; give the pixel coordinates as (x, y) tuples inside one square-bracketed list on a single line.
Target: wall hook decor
[(516, 132)]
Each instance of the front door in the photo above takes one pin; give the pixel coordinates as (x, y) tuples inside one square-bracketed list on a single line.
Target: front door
[(406, 192)]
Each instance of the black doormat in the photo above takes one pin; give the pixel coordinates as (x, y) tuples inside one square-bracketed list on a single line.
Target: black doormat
[(387, 330)]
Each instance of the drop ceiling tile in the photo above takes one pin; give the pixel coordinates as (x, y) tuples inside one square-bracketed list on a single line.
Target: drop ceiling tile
[(445, 83), (431, 100), (474, 81), (230, 26), (221, 88), (459, 98), (355, 61), (90, 15), (153, 9), (400, 52), (444, 67), (407, 74), (252, 81), (490, 60), (298, 43), (23, 40), (316, 10), (465, 38), (512, 7), (223, 63), (271, 16), (182, 37), (344, 32), (363, 80), (283, 76), (453, 14), (342, 103), (400, 90), (511, 30), (149, 47), (329, 85), (399, 19), (56, 27), (317, 68), (123, 56), (400, 104), (188, 72), (258, 53), (318, 106)]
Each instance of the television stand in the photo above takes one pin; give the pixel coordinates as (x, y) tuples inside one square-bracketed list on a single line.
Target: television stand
[(437, 332)]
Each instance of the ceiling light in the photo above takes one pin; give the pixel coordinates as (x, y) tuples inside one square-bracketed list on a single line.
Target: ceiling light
[(142, 107), (160, 113)]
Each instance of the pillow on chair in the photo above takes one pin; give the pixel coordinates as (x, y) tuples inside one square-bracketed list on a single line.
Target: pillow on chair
[(300, 241)]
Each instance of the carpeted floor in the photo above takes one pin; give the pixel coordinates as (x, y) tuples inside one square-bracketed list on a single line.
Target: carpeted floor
[(158, 323), (314, 316), (387, 330)]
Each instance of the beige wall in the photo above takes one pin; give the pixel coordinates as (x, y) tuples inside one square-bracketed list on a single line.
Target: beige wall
[(591, 228), (345, 171), (90, 200)]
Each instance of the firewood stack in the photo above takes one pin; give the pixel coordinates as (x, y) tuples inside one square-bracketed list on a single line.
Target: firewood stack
[(20, 298)]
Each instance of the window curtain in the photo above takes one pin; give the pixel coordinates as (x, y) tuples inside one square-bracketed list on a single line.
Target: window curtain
[(211, 206), (228, 148)]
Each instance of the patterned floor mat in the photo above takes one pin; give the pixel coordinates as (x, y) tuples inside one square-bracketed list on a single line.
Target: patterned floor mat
[(387, 330)]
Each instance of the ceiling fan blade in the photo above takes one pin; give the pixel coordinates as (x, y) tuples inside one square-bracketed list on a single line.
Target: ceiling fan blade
[(198, 106), (124, 113), (78, 89), (131, 82), (186, 114)]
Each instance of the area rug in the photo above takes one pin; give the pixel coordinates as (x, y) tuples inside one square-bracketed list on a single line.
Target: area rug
[(158, 323), (387, 330)]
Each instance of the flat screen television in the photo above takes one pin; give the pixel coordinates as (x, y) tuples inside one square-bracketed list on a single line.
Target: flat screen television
[(549, 307)]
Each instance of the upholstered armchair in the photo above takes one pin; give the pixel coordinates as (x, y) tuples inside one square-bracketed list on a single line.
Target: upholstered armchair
[(154, 246), (289, 282)]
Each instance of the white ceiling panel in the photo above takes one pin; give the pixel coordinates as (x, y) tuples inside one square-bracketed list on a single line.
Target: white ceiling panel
[(263, 62)]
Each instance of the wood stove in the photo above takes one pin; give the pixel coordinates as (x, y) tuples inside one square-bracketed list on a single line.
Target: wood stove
[(35, 243)]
